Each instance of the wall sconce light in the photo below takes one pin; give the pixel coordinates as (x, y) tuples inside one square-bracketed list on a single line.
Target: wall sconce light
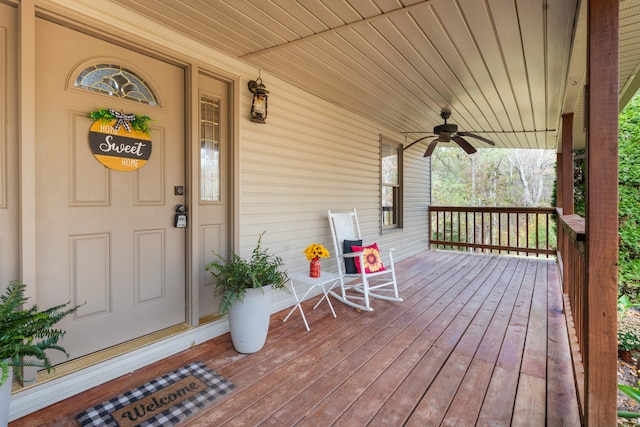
[(259, 103)]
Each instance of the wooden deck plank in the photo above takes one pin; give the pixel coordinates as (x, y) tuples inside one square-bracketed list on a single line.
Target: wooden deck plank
[(530, 402), (531, 395), (450, 327), (497, 408), (336, 354), (468, 401), (464, 409), (535, 355), (562, 397), (435, 403), (348, 382), (439, 396), (455, 365), (289, 372), (478, 340), (324, 376), (492, 342)]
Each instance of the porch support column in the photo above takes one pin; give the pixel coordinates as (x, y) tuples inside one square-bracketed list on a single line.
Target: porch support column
[(565, 197), (559, 180), (566, 169), (601, 213)]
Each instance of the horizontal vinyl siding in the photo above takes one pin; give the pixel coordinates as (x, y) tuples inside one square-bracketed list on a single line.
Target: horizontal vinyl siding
[(417, 198), (312, 156), (309, 156)]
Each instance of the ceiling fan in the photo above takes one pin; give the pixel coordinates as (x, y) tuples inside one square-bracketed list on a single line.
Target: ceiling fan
[(448, 132)]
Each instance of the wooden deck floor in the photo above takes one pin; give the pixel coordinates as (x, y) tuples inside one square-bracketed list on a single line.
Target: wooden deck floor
[(478, 340)]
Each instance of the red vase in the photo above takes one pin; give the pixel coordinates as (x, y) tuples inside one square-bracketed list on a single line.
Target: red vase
[(314, 267)]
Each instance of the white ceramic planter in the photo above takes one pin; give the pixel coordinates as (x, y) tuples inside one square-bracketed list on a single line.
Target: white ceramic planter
[(249, 320), (5, 399)]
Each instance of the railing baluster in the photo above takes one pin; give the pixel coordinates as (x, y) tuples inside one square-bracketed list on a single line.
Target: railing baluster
[(459, 235), (492, 241), (547, 217), (474, 233), (537, 236), (451, 228), (499, 231), (529, 223), (518, 232), (466, 227), (448, 224), (509, 231), (482, 229), (439, 232), (573, 262)]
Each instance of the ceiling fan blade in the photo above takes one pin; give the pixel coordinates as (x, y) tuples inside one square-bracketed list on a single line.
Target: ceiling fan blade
[(481, 138), (416, 141), (464, 144), (431, 147)]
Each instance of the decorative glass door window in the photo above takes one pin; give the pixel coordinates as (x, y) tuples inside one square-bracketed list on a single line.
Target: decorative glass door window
[(209, 149), (118, 81)]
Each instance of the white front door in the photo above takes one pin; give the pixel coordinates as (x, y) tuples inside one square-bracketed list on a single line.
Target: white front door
[(106, 238)]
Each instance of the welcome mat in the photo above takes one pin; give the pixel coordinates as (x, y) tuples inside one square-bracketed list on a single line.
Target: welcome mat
[(165, 401)]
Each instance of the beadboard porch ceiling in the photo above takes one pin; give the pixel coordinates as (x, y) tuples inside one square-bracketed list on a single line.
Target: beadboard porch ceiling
[(505, 68)]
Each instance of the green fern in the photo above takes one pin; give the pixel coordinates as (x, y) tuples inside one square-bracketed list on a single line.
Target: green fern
[(237, 274), (26, 333)]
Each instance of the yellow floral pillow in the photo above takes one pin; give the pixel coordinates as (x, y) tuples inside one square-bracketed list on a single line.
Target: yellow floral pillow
[(372, 260)]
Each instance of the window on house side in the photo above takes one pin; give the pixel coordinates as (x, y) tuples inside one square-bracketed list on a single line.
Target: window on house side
[(391, 184)]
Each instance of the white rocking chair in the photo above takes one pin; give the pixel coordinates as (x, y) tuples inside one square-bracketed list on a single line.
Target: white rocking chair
[(357, 288)]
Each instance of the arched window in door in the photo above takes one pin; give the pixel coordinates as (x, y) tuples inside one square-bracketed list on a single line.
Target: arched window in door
[(115, 80)]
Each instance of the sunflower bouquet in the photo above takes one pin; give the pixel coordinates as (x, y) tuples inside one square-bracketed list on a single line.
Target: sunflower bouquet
[(316, 251)]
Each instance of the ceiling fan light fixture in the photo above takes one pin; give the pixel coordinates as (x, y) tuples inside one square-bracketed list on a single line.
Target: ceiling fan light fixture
[(444, 137), (448, 132)]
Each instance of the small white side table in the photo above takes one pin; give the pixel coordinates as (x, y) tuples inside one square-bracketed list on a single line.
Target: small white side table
[(325, 279)]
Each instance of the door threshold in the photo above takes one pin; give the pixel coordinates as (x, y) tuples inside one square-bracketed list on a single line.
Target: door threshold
[(83, 362)]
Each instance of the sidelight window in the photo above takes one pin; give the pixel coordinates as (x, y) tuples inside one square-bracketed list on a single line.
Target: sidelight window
[(209, 149)]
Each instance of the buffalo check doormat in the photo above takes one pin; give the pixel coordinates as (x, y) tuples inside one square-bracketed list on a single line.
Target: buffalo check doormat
[(164, 401)]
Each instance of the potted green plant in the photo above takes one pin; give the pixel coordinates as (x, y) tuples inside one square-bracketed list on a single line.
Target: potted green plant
[(245, 285), (628, 336), (25, 336)]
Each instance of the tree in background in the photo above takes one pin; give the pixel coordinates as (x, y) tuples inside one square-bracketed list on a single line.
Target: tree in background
[(629, 202), (493, 177), (517, 177), (629, 197)]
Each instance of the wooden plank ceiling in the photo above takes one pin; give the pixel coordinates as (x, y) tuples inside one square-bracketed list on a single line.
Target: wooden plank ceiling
[(506, 68)]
